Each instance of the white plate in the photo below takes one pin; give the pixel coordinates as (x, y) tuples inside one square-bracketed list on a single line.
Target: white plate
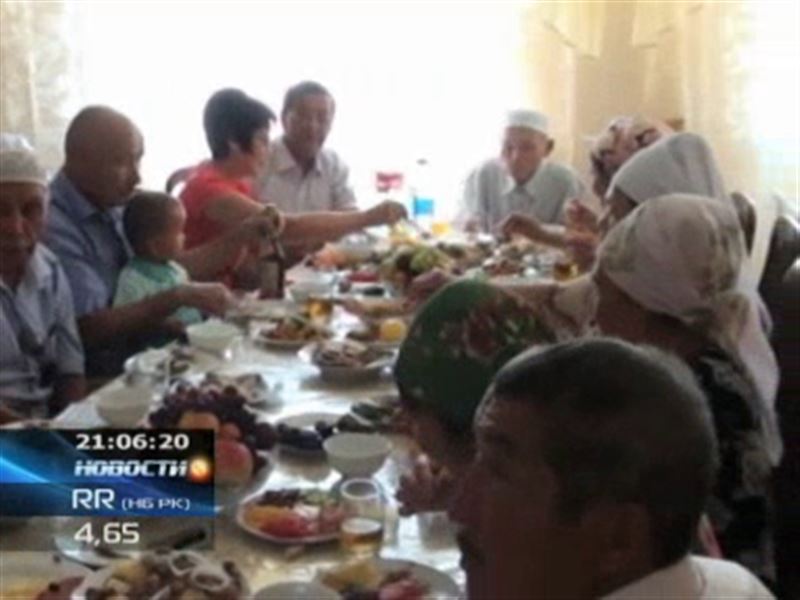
[(296, 590), (307, 421), (269, 397), (515, 280), (380, 345), (441, 586), (98, 578), (255, 309), (294, 541), (346, 374), (18, 568), (285, 345)]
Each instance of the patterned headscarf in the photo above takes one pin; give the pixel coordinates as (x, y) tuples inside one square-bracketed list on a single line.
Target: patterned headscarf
[(682, 163), (622, 138), (458, 341), (681, 256)]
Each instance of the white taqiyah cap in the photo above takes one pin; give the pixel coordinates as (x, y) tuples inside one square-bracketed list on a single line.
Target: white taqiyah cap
[(20, 165), (531, 119)]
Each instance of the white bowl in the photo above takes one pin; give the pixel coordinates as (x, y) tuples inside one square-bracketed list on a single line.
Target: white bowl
[(124, 406), (318, 285), (357, 454), (296, 590), (212, 335)]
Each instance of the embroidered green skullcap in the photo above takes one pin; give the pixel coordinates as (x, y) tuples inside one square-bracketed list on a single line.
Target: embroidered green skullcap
[(459, 339)]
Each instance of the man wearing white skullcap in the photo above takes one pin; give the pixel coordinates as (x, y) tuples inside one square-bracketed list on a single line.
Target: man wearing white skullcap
[(522, 181), (41, 357)]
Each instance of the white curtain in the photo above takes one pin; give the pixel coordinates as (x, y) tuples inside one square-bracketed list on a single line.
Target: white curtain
[(416, 80), (37, 73), (726, 70), (411, 80)]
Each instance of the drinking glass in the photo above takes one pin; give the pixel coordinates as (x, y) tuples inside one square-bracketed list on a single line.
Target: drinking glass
[(364, 505), (319, 309)]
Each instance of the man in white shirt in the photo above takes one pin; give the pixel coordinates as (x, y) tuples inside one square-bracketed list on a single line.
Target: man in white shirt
[(522, 181), (301, 176), (595, 459)]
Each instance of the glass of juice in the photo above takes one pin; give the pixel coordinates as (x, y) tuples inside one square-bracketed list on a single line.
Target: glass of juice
[(361, 533), (319, 309)]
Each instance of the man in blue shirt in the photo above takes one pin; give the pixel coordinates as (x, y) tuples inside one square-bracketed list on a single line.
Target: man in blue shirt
[(103, 149), (41, 358)]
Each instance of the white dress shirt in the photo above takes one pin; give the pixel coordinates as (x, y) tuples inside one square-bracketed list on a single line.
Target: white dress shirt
[(696, 578), (324, 188), (491, 194)]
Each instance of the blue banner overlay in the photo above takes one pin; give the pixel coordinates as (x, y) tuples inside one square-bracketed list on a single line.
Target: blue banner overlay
[(110, 473)]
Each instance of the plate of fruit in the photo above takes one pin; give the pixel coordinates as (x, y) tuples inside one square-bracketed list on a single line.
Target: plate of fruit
[(380, 578), (408, 262), (292, 516), (290, 333), (241, 440), (164, 575), (384, 334)]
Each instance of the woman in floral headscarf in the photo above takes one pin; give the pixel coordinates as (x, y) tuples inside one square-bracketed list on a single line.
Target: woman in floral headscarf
[(457, 342), (620, 140), (669, 275)]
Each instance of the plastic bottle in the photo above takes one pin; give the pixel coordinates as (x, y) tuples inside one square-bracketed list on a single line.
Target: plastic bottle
[(423, 200)]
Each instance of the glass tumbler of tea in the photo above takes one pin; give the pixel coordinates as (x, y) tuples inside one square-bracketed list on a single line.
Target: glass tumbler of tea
[(364, 505), (319, 309)]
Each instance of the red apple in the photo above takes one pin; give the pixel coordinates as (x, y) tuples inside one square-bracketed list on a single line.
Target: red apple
[(230, 431), (199, 420), (233, 462)]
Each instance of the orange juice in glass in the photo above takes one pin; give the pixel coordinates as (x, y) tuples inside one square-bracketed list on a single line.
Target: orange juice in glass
[(319, 309)]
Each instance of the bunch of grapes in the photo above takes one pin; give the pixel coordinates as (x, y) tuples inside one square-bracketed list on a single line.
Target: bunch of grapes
[(309, 439), (227, 404)]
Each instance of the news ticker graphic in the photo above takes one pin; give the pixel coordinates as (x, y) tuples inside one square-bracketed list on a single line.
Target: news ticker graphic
[(119, 473)]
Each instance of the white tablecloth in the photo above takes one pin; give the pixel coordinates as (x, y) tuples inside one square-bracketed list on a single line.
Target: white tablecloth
[(426, 539)]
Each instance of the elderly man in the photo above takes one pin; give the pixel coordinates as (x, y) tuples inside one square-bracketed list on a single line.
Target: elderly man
[(84, 229), (301, 176), (41, 358), (594, 463), (522, 181)]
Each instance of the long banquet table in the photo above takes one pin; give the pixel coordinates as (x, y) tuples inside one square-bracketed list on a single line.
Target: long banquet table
[(426, 539)]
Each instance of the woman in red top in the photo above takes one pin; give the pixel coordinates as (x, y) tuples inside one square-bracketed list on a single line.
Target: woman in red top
[(218, 194)]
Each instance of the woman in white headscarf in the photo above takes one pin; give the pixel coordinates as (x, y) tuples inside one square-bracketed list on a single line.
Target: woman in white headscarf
[(682, 163), (669, 275)]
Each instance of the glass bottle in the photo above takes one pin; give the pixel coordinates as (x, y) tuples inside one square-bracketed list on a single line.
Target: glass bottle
[(272, 270)]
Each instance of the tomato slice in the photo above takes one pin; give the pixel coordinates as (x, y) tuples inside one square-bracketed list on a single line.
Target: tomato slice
[(290, 525)]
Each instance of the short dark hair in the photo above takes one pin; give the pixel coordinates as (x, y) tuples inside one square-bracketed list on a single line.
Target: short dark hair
[(231, 115), (625, 423), (146, 216), (300, 90)]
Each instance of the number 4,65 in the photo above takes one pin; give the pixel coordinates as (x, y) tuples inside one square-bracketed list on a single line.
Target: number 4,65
[(125, 532)]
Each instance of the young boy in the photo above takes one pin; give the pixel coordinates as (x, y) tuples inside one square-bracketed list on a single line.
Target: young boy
[(154, 228)]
